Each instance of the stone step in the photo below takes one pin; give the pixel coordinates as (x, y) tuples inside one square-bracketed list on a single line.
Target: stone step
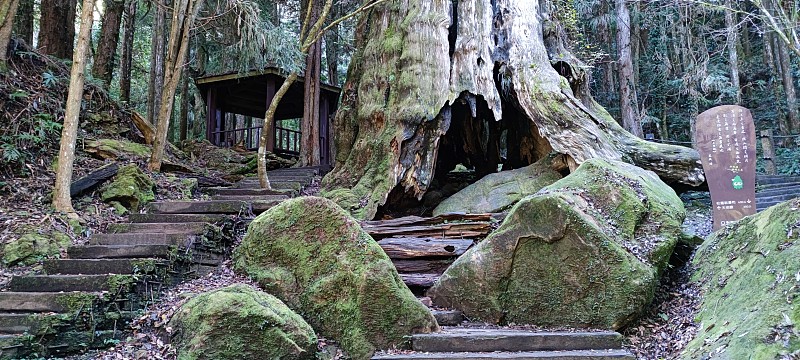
[(24, 302), (448, 317), (788, 190), (250, 197), (141, 239), (119, 251), (55, 283), (210, 207), (761, 187), (776, 179), (487, 340), (530, 355), (302, 180), (776, 198), (176, 218), (98, 266), (235, 192), (295, 186), (17, 323), (162, 228), (309, 171)]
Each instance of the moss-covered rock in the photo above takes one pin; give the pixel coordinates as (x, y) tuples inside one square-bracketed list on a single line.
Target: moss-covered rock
[(33, 246), (585, 251), (749, 276), (316, 258), (239, 322), (499, 191), (116, 149), (131, 188)]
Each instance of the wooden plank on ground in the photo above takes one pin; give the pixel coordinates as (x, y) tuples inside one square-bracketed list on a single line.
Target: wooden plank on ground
[(419, 280), (410, 248), (449, 230), (93, 179), (421, 265), (417, 220)]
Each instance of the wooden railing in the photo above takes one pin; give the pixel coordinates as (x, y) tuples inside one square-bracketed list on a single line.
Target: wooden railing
[(287, 141)]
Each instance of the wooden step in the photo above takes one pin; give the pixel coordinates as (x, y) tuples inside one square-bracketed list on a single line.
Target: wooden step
[(422, 265), (238, 192), (301, 179), (531, 355), (56, 283), (296, 186), (488, 340), (249, 197), (410, 247), (162, 228), (119, 251), (23, 302), (142, 239), (210, 207), (419, 280), (97, 266), (17, 323), (176, 218)]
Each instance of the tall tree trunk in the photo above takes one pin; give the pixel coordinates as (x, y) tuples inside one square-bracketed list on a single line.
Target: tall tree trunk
[(127, 52), (775, 82), (103, 67), (627, 92), (156, 84), (309, 129), (66, 154), (184, 117), (491, 64), (57, 27), (332, 50), (183, 14), (785, 71), (7, 11), (733, 55), (23, 23)]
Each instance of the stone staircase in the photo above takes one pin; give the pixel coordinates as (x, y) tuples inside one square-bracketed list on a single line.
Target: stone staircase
[(457, 343), (774, 189), (84, 300)]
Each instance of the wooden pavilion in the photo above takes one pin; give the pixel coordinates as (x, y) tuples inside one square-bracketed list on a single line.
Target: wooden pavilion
[(250, 94)]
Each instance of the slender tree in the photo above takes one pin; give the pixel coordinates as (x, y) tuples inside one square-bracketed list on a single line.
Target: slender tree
[(66, 154), (627, 91), (156, 84), (184, 13), (733, 55), (23, 23), (7, 11), (184, 110), (127, 52), (103, 67), (57, 27), (309, 128)]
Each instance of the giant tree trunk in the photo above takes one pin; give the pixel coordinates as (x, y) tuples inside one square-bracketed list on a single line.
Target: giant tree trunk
[(415, 80), (7, 11), (103, 67), (57, 28), (66, 154), (627, 92), (23, 23), (309, 128)]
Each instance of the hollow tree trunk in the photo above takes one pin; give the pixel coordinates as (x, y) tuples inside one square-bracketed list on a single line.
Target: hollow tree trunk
[(57, 27), (412, 71), (103, 67)]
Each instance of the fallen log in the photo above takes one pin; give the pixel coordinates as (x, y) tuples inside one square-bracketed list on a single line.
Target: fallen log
[(93, 179), (437, 266), (417, 220), (410, 248), (147, 129), (419, 280), (452, 230)]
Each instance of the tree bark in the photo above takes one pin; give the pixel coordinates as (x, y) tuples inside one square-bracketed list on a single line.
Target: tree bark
[(127, 52), (785, 71), (733, 55), (8, 10), (103, 67), (23, 23), (183, 14), (628, 107), (184, 117), (412, 71), (57, 27), (156, 83), (332, 51), (775, 82), (309, 129), (66, 154)]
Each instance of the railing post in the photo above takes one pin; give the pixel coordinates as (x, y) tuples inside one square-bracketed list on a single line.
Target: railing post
[(768, 150)]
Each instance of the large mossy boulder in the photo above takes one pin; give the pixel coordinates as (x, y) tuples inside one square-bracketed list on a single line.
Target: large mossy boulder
[(130, 189), (32, 246), (500, 191), (240, 322), (749, 278), (315, 257), (116, 149), (586, 251)]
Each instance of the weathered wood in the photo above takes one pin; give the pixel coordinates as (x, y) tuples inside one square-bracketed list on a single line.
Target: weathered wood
[(768, 152), (417, 220), (419, 280), (437, 266), (144, 127), (452, 230), (205, 181), (410, 248), (169, 166), (93, 179)]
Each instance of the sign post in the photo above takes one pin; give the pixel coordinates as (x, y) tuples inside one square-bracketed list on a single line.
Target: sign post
[(726, 139)]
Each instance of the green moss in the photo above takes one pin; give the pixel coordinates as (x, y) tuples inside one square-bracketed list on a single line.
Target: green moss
[(33, 246), (120, 148), (750, 282), (76, 302), (239, 322), (131, 188), (312, 255), (121, 282)]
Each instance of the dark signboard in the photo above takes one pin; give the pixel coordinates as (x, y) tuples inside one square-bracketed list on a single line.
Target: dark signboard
[(726, 139)]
